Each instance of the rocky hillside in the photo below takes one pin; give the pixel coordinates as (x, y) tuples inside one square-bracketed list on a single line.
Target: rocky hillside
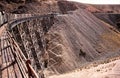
[(28, 6), (112, 19), (82, 39), (100, 8), (108, 8), (47, 6)]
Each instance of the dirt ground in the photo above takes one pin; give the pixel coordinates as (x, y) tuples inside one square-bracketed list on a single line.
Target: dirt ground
[(109, 70)]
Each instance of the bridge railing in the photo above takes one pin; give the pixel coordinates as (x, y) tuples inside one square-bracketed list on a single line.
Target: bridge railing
[(20, 58)]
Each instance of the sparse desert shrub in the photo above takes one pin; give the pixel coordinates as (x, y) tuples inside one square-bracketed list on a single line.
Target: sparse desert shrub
[(82, 53), (106, 77), (98, 70)]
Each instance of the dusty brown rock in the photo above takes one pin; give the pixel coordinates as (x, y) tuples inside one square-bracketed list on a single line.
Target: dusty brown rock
[(20, 10), (66, 6)]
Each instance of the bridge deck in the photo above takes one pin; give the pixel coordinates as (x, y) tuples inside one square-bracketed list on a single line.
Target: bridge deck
[(10, 66)]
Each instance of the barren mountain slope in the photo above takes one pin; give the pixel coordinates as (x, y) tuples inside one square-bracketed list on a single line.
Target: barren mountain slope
[(112, 19), (108, 8), (81, 38), (100, 8), (36, 6)]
